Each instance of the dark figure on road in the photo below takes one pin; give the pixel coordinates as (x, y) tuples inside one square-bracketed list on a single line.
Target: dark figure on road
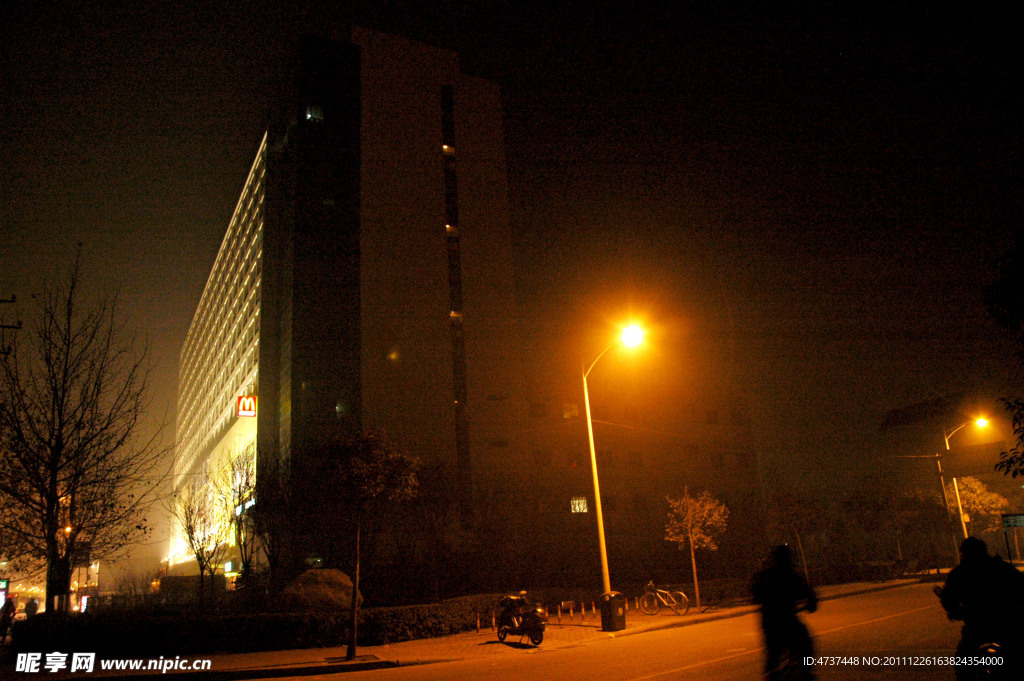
[(6, 615), (987, 593), (781, 593)]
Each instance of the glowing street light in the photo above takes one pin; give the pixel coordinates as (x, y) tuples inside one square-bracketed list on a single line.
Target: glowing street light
[(980, 422), (631, 337)]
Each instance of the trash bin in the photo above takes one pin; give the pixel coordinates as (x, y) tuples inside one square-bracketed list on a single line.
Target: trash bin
[(613, 611)]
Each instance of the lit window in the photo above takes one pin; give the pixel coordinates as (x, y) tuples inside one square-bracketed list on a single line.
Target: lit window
[(578, 504)]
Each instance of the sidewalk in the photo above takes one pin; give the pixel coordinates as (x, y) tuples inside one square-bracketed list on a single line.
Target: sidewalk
[(281, 663)]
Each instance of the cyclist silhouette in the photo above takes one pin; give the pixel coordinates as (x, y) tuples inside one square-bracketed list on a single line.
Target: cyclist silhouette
[(987, 594), (781, 593)]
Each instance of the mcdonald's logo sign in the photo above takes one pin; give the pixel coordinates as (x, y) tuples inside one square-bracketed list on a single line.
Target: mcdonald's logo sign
[(247, 405)]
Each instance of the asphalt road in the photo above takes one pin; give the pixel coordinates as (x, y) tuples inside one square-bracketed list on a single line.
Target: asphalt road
[(904, 623)]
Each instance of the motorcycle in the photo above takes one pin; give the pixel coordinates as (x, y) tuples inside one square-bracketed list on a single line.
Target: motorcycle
[(521, 617), (997, 662)]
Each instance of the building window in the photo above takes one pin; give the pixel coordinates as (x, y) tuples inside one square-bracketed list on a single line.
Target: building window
[(578, 504), (314, 113)]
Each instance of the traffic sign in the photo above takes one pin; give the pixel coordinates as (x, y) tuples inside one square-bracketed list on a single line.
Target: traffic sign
[(1013, 520)]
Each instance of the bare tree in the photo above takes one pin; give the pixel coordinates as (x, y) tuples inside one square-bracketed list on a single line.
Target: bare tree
[(238, 495), (695, 522), (132, 586), (203, 517), (76, 479), (372, 475)]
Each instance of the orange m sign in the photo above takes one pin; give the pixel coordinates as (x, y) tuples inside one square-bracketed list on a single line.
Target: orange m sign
[(247, 405)]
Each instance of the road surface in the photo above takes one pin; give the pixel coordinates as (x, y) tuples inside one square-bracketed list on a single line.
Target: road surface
[(902, 623)]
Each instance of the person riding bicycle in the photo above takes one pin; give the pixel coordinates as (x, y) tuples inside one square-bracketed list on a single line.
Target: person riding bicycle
[(781, 593), (987, 594)]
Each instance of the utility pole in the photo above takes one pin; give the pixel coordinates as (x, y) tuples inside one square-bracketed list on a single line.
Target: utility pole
[(945, 501)]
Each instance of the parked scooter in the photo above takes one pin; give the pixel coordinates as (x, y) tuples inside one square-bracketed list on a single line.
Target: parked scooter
[(521, 617)]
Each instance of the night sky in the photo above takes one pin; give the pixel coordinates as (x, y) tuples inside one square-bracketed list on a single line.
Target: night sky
[(805, 204)]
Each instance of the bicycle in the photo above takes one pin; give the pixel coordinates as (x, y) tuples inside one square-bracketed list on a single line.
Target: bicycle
[(654, 599)]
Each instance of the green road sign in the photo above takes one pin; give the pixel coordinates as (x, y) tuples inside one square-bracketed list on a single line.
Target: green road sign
[(1013, 520)]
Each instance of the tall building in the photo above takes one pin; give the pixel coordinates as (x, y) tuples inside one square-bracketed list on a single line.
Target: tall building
[(365, 279)]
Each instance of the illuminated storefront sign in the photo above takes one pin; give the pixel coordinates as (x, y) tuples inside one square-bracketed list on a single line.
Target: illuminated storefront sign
[(247, 405)]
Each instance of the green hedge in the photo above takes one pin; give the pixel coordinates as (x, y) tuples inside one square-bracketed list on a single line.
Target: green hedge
[(407, 622), (133, 634)]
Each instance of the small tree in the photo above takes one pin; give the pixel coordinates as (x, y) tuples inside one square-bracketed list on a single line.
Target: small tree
[(132, 586), (695, 522), (372, 475), (238, 494), (201, 515), (983, 507)]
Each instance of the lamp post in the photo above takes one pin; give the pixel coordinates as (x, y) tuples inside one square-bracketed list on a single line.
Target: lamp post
[(631, 337), (945, 509), (981, 423)]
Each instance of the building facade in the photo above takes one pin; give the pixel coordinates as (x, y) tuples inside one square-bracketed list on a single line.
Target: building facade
[(365, 279)]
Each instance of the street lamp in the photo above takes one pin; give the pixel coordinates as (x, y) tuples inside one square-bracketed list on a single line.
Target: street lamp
[(631, 337), (981, 423)]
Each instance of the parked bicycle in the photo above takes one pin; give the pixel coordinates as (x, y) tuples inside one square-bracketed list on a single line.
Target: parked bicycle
[(654, 599)]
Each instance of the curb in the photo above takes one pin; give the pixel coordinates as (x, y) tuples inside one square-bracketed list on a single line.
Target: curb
[(740, 611), (244, 674)]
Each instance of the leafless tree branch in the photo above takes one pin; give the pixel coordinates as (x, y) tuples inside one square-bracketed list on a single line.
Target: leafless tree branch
[(75, 477)]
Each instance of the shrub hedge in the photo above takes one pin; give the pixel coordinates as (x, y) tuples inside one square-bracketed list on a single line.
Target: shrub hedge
[(127, 633)]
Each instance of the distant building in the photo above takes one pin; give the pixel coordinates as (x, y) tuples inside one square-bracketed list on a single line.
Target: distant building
[(646, 452), (365, 279)]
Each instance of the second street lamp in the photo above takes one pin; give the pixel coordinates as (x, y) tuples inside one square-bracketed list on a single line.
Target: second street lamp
[(631, 337)]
